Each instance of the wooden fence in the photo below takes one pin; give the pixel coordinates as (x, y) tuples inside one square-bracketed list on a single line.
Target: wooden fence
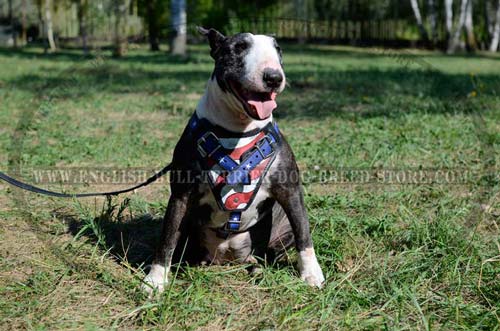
[(334, 30)]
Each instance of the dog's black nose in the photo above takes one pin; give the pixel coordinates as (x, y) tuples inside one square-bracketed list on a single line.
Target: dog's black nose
[(272, 78)]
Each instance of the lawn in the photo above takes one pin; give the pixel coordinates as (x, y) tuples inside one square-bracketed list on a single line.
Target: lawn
[(397, 254)]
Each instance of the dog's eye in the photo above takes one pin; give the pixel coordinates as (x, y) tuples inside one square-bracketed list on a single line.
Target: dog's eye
[(278, 49), (240, 46)]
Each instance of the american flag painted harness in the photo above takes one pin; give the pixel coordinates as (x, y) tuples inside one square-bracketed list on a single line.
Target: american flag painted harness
[(234, 164)]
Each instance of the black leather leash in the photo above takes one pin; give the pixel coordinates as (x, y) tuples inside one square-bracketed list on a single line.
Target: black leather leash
[(38, 190)]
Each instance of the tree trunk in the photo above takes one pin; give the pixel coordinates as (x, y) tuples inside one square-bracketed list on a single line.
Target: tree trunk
[(178, 41), (301, 17), (496, 31), (454, 41), (448, 4), (421, 28), (48, 25), (469, 28), (488, 20), (12, 25), (154, 42), (120, 8), (82, 24), (433, 20), (24, 34), (41, 22)]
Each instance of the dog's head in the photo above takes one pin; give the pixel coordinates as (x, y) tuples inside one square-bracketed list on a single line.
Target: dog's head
[(249, 67)]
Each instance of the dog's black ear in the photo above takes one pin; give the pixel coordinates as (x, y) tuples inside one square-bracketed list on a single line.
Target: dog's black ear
[(215, 39)]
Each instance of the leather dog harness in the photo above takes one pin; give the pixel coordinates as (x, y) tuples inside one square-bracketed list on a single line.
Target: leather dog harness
[(234, 164)]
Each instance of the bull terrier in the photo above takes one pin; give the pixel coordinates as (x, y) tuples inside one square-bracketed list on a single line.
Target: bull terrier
[(236, 194)]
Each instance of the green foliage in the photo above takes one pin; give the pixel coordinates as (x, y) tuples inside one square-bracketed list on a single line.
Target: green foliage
[(302, 17), (361, 9), (216, 14), (160, 17)]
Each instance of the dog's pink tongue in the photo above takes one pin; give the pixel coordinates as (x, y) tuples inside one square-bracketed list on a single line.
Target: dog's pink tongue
[(264, 108)]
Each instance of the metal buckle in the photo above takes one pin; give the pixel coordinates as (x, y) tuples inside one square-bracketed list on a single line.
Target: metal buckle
[(234, 219), (202, 140), (227, 227), (258, 147), (261, 142)]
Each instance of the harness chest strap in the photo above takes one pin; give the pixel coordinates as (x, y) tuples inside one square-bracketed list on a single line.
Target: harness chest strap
[(236, 174), (209, 146)]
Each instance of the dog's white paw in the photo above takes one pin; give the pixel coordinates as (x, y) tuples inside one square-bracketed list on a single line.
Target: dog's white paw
[(310, 270), (156, 280)]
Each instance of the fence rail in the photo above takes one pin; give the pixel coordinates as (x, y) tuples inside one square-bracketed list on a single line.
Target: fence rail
[(388, 29)]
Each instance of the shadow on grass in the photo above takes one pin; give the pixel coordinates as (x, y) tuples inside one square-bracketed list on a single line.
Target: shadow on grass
[(199, 53), (320, 91), (133, 240), (374, 52), (80, 82), (374, 92), (75, 55)]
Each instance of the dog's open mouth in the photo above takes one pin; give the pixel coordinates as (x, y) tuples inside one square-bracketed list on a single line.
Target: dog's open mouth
[(258, 105)]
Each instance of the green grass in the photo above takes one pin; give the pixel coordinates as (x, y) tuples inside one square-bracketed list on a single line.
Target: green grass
[(398, 257)]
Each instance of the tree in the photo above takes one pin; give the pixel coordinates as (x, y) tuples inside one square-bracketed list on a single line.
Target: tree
[(156, 15), (12, 25), (488, 30), (301, 15), (421, 28), (152, 21), (49, 26), (448, 4), (24, 34), (454, 40), (496, 31), (41, 21), (82, 8), (179, 27), (433, 20), (469, 27), (120, 40)]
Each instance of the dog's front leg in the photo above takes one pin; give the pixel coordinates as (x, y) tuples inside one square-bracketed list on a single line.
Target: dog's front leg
[(157, 276), (291, 200)]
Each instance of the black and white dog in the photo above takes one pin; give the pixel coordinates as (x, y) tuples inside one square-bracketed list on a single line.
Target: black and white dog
[(235, 190)]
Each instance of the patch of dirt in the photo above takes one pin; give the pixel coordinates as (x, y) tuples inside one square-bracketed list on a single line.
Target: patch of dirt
[(20, 250), (34, 279), (136, 116), (193, 96), (5, 203), (87, 297)]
